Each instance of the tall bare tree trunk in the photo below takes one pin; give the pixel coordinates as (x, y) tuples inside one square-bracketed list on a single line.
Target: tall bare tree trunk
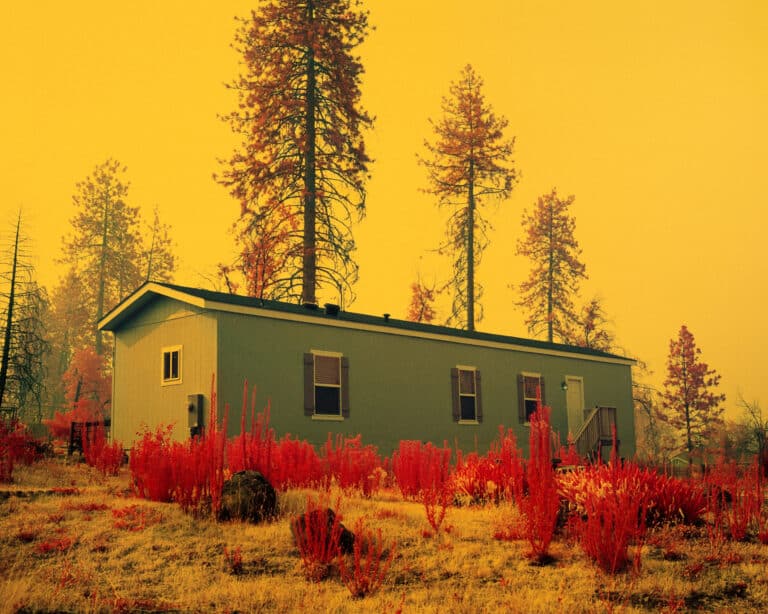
[(9, 315), (309, 263), (471, 248), (551, 280)]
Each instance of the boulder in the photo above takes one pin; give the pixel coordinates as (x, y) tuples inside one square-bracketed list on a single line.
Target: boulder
[(315, 518), (247, 495)]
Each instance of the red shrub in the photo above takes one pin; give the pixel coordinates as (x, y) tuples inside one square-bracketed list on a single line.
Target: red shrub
[(253, 450), (296, 465), (612, 501), (474, 478), (672, 499), (352, 465), (569, 457), (541, 503), (434, 479), (189, 472), (418, 466), (436, 500), (507, 460), (317, 539), (198, 466), (106, 457), (16, 444), (151, 464), (405, 466), (762, 529), (370, 564), (736, 497)]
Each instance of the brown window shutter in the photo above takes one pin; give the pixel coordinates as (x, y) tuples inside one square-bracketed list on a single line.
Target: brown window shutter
[(455, 404), (309, 384), (345, 387), (521, 398), (478, 398), (543, 395)]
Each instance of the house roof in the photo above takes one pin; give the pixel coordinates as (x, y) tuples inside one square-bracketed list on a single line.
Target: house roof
[(221, 301)]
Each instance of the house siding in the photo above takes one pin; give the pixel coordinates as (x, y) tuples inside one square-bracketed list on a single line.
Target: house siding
[(400, 385), (139, 396)]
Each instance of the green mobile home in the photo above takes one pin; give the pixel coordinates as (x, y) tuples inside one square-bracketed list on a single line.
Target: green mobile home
[(326, 370)]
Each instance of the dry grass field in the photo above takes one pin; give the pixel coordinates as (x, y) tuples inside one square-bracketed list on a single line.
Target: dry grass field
[(72, 540)]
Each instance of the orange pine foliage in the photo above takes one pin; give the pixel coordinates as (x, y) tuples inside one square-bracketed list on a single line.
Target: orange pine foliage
[(300, 170), (469, 162), (556, 270), (422, 307)]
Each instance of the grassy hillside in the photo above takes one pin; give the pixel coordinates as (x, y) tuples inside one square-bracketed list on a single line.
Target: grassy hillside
[(72, 540)]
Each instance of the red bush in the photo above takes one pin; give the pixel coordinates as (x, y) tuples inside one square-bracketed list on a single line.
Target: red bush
[(16, 444), (370, 564), (569, 457), (673, 499), (317, 539), (474, 478), (151, 464), (507, 460), (612, 502), (735, 497), (253, 450), (189, 472), (434, 479), (418, 466), (106, 457), (541, 503), (296, 465), (352, 465)]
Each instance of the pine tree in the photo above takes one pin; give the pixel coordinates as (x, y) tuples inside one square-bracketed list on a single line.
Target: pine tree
[(690, 403), (105, 247), (422, 307), (469, 163), (69, 328), (590, 329), (159, 259), (300, 170), (548, 292)]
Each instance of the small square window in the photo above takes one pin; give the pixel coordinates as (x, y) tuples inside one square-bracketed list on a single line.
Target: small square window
[(171, 368)]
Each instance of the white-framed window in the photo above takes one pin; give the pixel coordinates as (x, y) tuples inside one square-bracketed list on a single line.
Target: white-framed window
[(530, 390), (170, 370), (326, 385), (465, 391)]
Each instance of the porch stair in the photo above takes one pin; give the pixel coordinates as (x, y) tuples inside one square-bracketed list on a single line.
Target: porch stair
[(596, 432)]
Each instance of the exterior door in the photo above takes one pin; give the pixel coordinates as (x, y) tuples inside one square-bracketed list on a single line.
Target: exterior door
[(574, 403)]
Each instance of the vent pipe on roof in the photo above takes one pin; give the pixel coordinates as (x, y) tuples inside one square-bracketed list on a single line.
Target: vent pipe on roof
[(386, 317), (331, 309)]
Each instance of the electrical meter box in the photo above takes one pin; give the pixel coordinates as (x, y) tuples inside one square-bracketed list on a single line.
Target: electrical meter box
[(195, 411)]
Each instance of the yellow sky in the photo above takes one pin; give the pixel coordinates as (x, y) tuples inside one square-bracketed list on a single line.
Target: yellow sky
[(652, 113)]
